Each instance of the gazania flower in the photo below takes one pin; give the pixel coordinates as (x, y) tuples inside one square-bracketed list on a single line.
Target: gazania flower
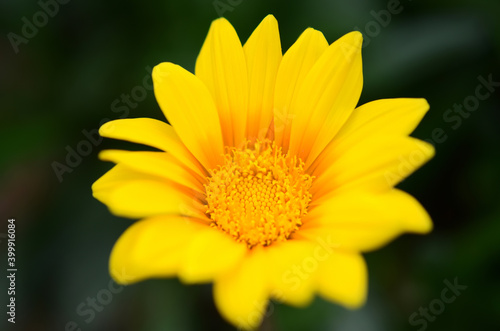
[(268, 181)]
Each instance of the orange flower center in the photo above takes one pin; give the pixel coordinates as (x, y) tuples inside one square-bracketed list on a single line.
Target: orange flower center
[(259, 195)]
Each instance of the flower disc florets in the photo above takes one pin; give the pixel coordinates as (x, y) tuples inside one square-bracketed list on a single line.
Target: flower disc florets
[(259, 195)]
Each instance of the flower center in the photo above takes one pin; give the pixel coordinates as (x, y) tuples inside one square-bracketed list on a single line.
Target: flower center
[(259, 195)]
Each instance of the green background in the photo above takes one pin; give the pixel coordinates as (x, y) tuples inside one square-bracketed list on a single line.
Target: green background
[(67, 77)]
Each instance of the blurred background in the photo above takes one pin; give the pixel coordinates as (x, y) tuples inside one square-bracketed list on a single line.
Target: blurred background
[(68, 66)]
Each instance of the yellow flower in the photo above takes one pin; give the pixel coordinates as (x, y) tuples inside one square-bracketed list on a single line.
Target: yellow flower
[(268, 182)]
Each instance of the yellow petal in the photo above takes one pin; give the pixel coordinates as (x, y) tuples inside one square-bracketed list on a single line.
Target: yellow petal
[(128, 193), (263, 56), (377, 163), (381, 117), (209, 254), (155, 163), (152, 247), (118, 175), (363, 221), (295, 65), (241, 295), (327, 97), (386, 116), (222, 67), (292, 270), (343, 278), (188, 106), (153, 133)]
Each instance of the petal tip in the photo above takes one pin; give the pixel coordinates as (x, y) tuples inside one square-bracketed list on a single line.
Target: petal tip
[(311, 31), (356, 38), (425, 225), (163, 70), (270, 19), (220, 22), (357, 303), (120, 274), (105, 155), (429, 149), (428, 227), (106, 129), (423, 103)]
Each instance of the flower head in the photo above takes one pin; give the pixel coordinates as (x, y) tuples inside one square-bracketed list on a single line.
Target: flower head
[(268, 181)]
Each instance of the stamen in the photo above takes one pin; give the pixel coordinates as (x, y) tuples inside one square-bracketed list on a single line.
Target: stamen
[(259, 195)]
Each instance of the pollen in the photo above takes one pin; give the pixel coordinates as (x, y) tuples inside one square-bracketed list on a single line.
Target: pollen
[(259, 195)]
